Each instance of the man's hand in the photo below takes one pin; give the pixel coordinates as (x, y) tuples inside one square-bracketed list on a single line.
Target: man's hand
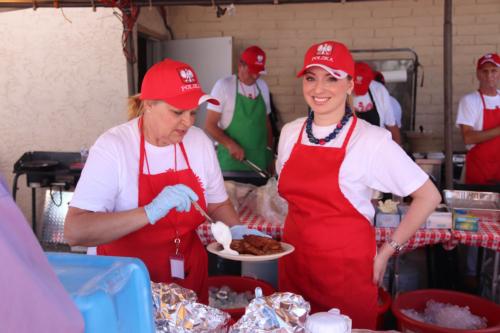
[(236, 151)]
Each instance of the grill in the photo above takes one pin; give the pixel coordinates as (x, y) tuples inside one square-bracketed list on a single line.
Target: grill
[(56, 171)]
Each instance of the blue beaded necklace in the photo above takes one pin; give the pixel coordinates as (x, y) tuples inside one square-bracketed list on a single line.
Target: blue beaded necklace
[(331, 136)]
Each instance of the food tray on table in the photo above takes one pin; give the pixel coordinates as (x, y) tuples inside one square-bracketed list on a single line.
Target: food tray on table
[(216, 249), (484, 205)]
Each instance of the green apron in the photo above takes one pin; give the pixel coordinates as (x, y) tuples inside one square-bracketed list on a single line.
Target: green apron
[(248, 129)]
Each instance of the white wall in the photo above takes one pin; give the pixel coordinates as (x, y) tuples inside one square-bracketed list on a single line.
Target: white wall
[(61, 84)]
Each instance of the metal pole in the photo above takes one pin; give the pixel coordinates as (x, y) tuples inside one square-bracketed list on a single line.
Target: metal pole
[(130, 65), (448, 92)]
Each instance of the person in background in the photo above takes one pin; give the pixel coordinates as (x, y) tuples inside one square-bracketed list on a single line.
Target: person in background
[(371, 101), (32, 297), (478, 118), (329, 164), (135, 192), (396, 107), (240, 124)]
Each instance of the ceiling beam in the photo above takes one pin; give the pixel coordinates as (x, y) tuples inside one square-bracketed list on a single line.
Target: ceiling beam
[(146, 3)]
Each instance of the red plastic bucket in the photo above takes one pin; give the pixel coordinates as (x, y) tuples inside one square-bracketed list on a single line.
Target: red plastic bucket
[(239, 284), (417, 300), (384, 303)]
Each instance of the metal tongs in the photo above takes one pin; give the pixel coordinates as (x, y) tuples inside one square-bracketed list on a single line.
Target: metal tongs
[(256, 168), (202, 211)]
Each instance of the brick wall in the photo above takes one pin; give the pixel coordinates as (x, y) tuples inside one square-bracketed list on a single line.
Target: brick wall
[(285, 31)]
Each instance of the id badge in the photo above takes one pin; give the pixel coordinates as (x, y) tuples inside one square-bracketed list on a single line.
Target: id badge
[(177, 266)]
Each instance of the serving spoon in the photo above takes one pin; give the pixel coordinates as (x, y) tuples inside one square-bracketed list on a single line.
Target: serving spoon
[(220, 230)]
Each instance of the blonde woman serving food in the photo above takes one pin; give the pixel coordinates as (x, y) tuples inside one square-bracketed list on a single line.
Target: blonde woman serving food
[(329, 164), (135, 193)]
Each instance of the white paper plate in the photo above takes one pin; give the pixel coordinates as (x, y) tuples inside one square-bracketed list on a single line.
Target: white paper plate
[(215, 248)]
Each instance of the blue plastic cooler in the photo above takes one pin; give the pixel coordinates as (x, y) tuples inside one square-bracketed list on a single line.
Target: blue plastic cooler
[(112, 293)]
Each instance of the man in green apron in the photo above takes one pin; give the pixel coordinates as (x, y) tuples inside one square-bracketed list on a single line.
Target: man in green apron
[(240, 124)]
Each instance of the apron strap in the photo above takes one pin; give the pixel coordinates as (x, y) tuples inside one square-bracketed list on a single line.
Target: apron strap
[(482, 99), (299, 139), (184, 154), (351, 129), (141, 145)]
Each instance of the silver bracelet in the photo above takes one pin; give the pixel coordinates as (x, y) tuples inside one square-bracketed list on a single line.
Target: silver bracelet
[(397, 247)]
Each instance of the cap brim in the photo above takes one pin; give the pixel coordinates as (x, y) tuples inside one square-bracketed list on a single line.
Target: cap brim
[(191, 100), (491, 61), (336, 73), (256, 70)]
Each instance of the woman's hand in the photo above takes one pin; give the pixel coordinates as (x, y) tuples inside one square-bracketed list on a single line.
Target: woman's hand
[(178, 196), (379, 267)]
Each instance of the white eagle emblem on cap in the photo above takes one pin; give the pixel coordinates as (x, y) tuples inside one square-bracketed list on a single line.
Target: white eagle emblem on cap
[(324, 49), (187, 75), (260, 59)]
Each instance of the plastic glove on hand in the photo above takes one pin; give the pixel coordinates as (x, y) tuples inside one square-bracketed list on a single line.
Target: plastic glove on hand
[(238, 231), (177, 196)]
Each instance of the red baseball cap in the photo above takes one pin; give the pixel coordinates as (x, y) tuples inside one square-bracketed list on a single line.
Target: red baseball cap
[(364, 76), (489, 58), (175, 83), (333, 57), (255, 58)]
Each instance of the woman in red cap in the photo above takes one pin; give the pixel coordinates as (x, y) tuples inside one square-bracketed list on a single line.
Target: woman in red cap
[(329, 164), (134, 195)]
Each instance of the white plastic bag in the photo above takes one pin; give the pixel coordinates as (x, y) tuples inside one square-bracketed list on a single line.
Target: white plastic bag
[(266, 202), (237, 192)]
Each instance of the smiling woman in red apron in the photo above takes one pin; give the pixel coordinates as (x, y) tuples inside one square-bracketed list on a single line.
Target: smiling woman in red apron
[(134, 196), (329, 164)]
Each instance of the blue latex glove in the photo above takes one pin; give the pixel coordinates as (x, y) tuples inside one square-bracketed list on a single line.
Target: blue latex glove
[(238, 231), (177, 196)]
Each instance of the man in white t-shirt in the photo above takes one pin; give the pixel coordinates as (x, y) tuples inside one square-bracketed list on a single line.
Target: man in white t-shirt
[(372, 101), (396, 107), (479, 121), (240, 124)]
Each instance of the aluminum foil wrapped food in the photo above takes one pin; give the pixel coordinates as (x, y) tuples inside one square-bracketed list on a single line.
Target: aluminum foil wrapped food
[(176, 310), (278, 313)]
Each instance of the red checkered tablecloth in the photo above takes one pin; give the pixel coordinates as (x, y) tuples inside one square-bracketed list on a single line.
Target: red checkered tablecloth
[(422, 237), (488, 236)]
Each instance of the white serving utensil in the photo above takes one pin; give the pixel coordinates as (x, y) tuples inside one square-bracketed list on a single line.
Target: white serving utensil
[(220, 230)]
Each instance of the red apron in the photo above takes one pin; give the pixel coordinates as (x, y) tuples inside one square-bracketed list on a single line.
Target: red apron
[(154, 244), (332, 265), (482, 161)]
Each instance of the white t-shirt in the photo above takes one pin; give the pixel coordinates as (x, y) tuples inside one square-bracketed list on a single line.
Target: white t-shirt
[(225, 91), (109, 181), (373, 161), (398, 113), (382, 100), (470, 110)]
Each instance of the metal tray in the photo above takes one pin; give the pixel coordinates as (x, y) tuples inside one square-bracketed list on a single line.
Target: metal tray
[(485, 205), (472, 200)]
